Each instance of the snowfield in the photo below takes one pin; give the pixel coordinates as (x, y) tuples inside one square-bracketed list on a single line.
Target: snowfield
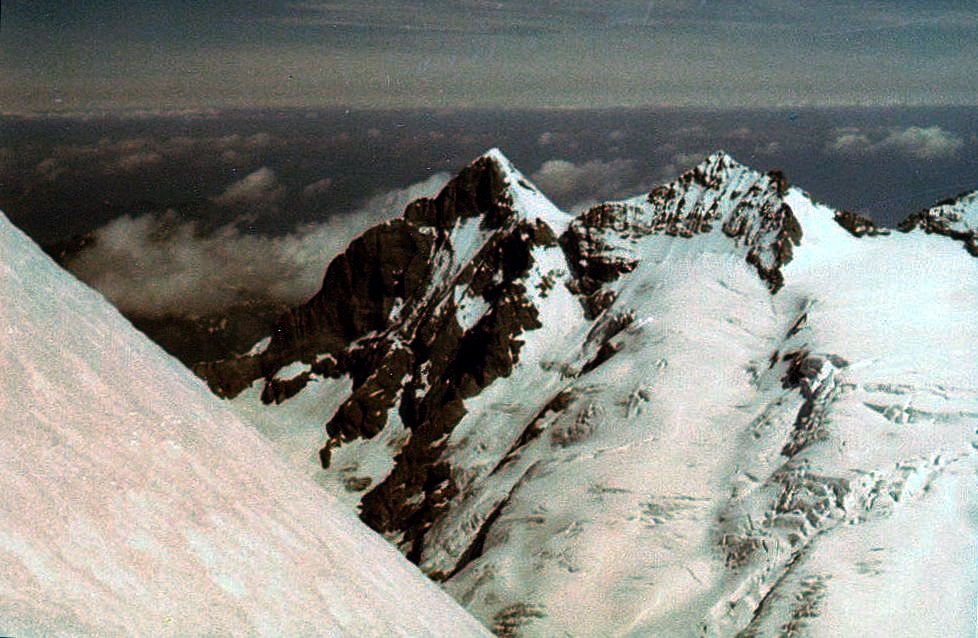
[(135, 503)]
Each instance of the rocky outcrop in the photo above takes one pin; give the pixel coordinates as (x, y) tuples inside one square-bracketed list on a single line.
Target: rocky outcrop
[(858, 225), (388, 316), (956, 218)]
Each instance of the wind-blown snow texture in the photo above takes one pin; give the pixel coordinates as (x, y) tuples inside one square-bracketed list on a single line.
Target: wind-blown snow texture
[(721, 409), (136, 504)]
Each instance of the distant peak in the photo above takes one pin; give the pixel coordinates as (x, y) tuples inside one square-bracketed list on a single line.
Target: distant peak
[(496, 155), (956, 218), (719, 159), (492, 187)]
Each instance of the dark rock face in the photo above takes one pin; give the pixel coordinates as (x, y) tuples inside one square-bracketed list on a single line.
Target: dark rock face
[(450, 365), (382, 319), (387, 263), (592, 260)]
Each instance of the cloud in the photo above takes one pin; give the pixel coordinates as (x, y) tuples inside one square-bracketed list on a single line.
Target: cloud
[(317, 188), (928, 143), (932, 142), (768, 148), (259, 187), (575, 185), (161, 265), (849, 142), (135, 161), (132, 154)]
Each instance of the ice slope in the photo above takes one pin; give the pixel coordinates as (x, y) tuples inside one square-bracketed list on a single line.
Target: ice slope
[(137, 504), (734, 418)]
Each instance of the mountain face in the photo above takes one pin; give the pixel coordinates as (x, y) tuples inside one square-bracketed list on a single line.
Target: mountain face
[(136, 504), (719, 409)]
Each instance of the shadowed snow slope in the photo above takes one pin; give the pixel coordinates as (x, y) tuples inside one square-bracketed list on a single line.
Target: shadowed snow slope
[(135, 503), (718, 409)]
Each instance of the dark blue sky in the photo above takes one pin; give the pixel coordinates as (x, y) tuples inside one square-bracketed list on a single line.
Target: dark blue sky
[(105, 55)]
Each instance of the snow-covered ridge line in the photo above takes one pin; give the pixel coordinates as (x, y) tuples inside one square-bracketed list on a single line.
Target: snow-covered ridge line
[(719, 196)]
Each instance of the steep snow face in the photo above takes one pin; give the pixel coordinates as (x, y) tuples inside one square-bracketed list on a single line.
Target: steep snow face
[(956, 218), (716, 410), (136, 504)]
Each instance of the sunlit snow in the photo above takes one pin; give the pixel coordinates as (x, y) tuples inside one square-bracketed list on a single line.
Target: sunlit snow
[(136, 503)]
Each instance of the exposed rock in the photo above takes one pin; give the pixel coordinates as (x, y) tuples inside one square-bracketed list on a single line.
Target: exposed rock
[(814, 377), (278, 390), (858, 225)]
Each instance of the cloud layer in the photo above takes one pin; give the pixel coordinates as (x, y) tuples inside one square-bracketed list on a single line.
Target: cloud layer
[(259, 187), (577, 185), (924, 143), (158, 265)]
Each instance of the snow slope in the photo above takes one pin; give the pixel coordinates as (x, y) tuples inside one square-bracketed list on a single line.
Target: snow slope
[(723, 410), (137, 504)]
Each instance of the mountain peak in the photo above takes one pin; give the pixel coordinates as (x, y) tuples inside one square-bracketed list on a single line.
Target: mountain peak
[(496, 155), (956, 217), (719, 194), (485, 223), (490, 187)]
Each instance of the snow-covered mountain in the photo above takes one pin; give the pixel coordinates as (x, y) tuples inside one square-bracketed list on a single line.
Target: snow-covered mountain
[(136, 504), (956, 218), (719, 409)]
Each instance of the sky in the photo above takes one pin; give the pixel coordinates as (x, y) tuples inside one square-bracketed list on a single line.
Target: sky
[(109, 55)]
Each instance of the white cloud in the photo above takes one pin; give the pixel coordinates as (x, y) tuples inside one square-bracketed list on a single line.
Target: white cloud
[(768, 148), (925, 143), (849, 142), (932, 142), (259, 187), (317, 188), (569, 184), (153, 266), (128, 155), (688, 160), (137, 160)]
